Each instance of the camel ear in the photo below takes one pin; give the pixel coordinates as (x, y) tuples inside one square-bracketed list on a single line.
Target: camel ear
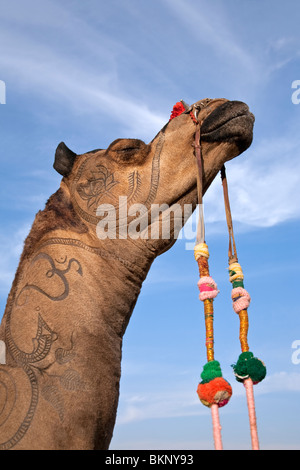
[(64, 159)]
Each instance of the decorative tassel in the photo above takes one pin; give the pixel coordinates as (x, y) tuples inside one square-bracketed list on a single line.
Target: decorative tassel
[(213, 391), (249, 369)]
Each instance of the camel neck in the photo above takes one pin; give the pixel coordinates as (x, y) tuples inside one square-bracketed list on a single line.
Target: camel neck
[(63, 326), (112, 275), (65, 270)]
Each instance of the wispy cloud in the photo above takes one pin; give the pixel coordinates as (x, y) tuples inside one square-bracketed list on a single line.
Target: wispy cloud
[(263, 185), (281, 51), (87, 81), (159, 405), (182, 402), (210, 25)]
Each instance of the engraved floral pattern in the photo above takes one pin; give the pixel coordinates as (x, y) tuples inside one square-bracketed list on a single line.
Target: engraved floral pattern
[(100, 182)]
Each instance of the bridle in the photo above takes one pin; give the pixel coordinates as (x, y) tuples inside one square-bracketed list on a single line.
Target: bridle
[(194, 112)]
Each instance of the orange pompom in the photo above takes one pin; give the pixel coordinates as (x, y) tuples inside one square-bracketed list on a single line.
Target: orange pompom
[(218, 391)]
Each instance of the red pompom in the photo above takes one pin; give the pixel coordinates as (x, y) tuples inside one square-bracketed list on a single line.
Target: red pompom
[(178, 109), (218, 391)]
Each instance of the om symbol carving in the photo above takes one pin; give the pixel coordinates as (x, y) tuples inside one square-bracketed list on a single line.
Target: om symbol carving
[(53, 271)]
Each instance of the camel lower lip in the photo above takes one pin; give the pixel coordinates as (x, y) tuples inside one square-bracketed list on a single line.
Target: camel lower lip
[(246, 115)]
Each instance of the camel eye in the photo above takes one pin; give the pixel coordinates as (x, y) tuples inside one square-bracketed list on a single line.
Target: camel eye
[(128, 150)]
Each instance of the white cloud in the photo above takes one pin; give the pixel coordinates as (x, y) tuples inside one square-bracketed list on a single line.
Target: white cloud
[(88, 81), (183, 401), (263, 185), (68, 85), (279, 382), (159, 405)]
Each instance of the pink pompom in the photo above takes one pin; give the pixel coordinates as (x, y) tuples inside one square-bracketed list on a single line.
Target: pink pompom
[(208, 288), (241, 299)]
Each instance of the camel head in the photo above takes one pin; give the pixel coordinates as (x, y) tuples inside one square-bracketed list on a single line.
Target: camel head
[(114, 190)]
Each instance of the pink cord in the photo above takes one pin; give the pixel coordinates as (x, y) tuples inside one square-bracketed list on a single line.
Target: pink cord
[(252, 416), (216, 427)]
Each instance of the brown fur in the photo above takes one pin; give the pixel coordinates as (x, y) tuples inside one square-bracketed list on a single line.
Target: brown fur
[(58, 214)]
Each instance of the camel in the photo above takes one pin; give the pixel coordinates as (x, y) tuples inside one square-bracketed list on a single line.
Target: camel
[(74, 292)]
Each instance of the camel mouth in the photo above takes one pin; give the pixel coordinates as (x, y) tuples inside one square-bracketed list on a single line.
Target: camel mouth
[(230, 122)]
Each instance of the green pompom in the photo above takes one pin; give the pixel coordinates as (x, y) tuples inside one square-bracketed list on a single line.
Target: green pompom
[(249, 366), (241, 367), (257, 370), (211, 370)]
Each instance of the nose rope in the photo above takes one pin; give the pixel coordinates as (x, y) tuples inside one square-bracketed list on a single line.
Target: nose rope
[(200, 237)]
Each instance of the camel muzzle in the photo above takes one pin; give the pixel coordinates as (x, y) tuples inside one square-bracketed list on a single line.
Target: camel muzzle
[(232, 121)]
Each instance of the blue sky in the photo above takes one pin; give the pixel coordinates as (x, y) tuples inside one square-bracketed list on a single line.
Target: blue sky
[(90, 72)]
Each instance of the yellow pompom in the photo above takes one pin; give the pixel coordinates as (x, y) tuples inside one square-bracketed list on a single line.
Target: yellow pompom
[(236, 268), (201, 249)]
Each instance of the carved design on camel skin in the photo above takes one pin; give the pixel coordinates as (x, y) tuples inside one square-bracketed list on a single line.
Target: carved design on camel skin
[(73, 294), (32, 363)]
